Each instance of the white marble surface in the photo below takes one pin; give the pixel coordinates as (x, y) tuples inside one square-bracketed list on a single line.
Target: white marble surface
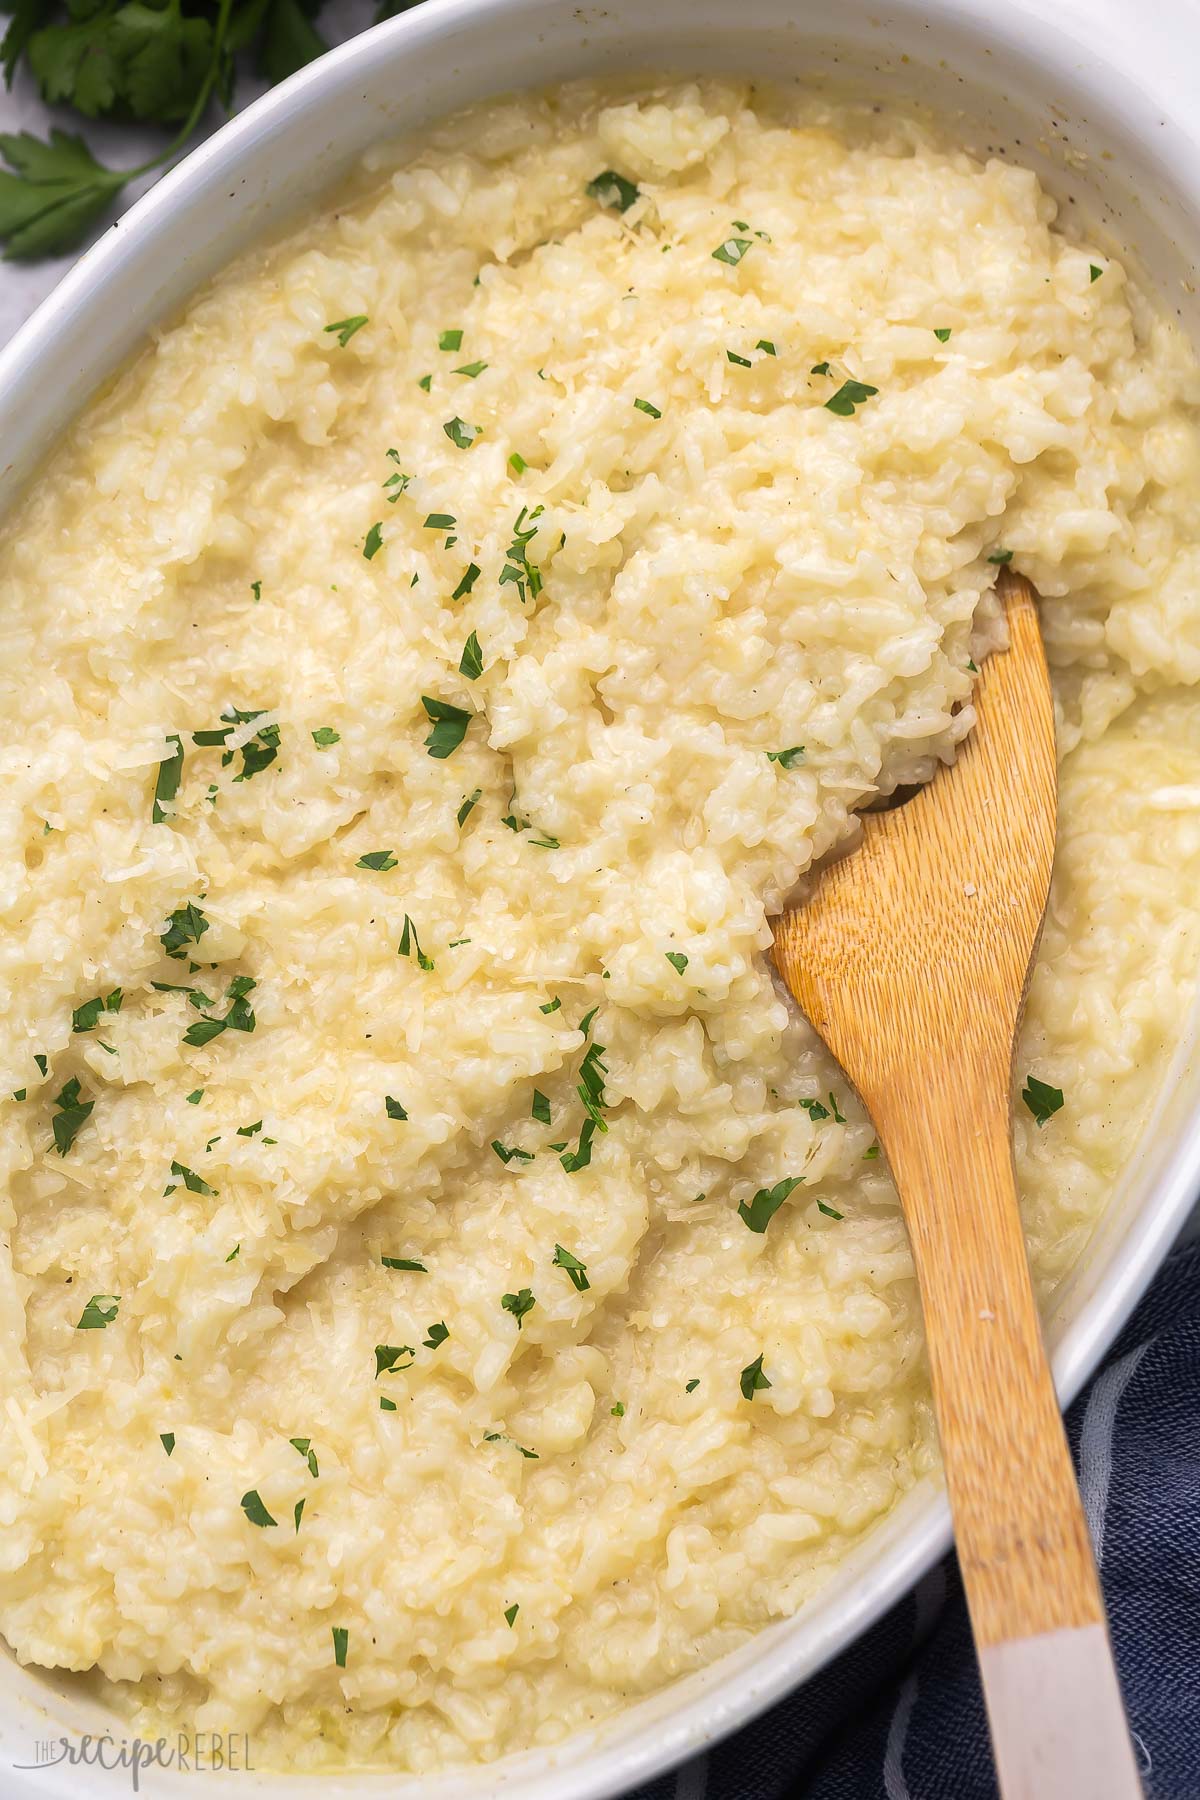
[(23, 285)]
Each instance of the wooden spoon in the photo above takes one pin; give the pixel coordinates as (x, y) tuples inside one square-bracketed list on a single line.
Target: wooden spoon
[(911, 961)]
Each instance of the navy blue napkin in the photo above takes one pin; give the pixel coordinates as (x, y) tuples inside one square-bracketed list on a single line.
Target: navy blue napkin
[(900, 1715)]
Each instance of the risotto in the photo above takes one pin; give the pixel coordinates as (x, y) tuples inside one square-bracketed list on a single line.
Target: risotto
[(447, 1291)]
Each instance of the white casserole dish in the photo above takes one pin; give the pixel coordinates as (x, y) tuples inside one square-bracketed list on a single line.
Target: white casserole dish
[(1098, 100)]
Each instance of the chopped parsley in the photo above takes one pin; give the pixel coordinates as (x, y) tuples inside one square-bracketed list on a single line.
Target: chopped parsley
[(324, 736), (469, 802), (766, 1203), (766, 345), (470, 576), (191, 1181), (254, 1509), (404, 1262), (550, 1006), (386, 1405), (341, 1638), (753, 1379), (743, 362), (646, 407), (518, 1304), (733, 250), (612, 190), (85, 1017), (409, 945), (618, 1409), (1000, 557), (167, 1440), (541, 1107), (577, 1270), (449, 727), (72, 1114), (871, 1153), (787, 759), (346, 328), (234, 1253), (942, 333), (848, 396), (831, 1212), (1042, 1100), (170, 773), (506, 1155), (379, 860), (373, 542), (436, 1334), (303, 1447), (461, 435), (691, 1386), (251, 1130), (440, 522), (470, 663), (499, 1437), (256, 590), (258, 752), (186, 925), (100, 1311), (425, 382), (518, 568), (450, 340), (1094, 273), (387, 1358), (238, 1017), (517, 463), (838, 1114), (195, 1097), (814, 1109), (510, 1613), (394, 1108), (677, 960), (298, 1512), (585, 1024), (471, 369)]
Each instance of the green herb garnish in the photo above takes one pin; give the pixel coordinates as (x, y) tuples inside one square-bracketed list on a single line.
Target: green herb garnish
[(404, 1262), (450, 725), (461, 435), (373, 542), (766, 1203), (787, 759), (541, 1107), (346, 328), (324, 736), (341, 1638), (470, 663), (577, 1270), (469, 802), (518, 1304), (85, 1017), (470, 576), (254, 1509), (394, 1108), (753, 1379), (612, 190), (378, 860), (848, 396), (100, 1311), (677, 960), (436, 1334), (646, 407), (733, 250), (71, 1115), (1042, 1100), (170, 773), (450, 340), (409, 945), (387, 1358)]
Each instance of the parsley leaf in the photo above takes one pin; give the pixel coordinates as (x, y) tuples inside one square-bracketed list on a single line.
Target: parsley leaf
[(577, 1270), (1094, 273), (409, 944), (303, 1447), (470, 576), (470, 663), (942, 333), (540, 1109), (191, 1181), (1000, 557), (346, 328), (612, 190), (469, 802), (753, 1379), (646, 407), (186, 925), (766, 1203), (471, 369), (1042, 1100), (848, 396), (255, 1511), (85, 1017), (518, 1304), (404, 1262), (170, 773), (100, 1311), (450, 340), (449, 727), (461, 435), (387, 1358), (510, 1613), (506, 1155), (52, 193), (167, 1440), (733, 250), (814, 1109), (787, 759), (394, 1108), (677, 960), (436, 1334), (373, 542), (341, 1639), (379, 860), (72, 1114), (324, 736)]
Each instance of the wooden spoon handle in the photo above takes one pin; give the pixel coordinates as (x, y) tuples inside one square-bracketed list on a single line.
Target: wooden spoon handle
[(1054, 1706)]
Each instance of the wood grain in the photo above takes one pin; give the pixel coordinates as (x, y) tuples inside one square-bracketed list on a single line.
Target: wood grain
[(911, 960)]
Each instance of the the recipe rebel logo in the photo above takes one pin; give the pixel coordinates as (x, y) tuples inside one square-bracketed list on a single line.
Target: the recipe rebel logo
[(196, 1753)]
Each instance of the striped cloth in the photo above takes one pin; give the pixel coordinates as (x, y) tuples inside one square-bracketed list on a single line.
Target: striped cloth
[(900, 1716)]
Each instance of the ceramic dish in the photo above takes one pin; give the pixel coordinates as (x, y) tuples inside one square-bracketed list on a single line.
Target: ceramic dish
[(1098, 104)]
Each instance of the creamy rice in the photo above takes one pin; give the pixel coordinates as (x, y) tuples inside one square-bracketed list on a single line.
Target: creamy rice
[(574, 475)]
